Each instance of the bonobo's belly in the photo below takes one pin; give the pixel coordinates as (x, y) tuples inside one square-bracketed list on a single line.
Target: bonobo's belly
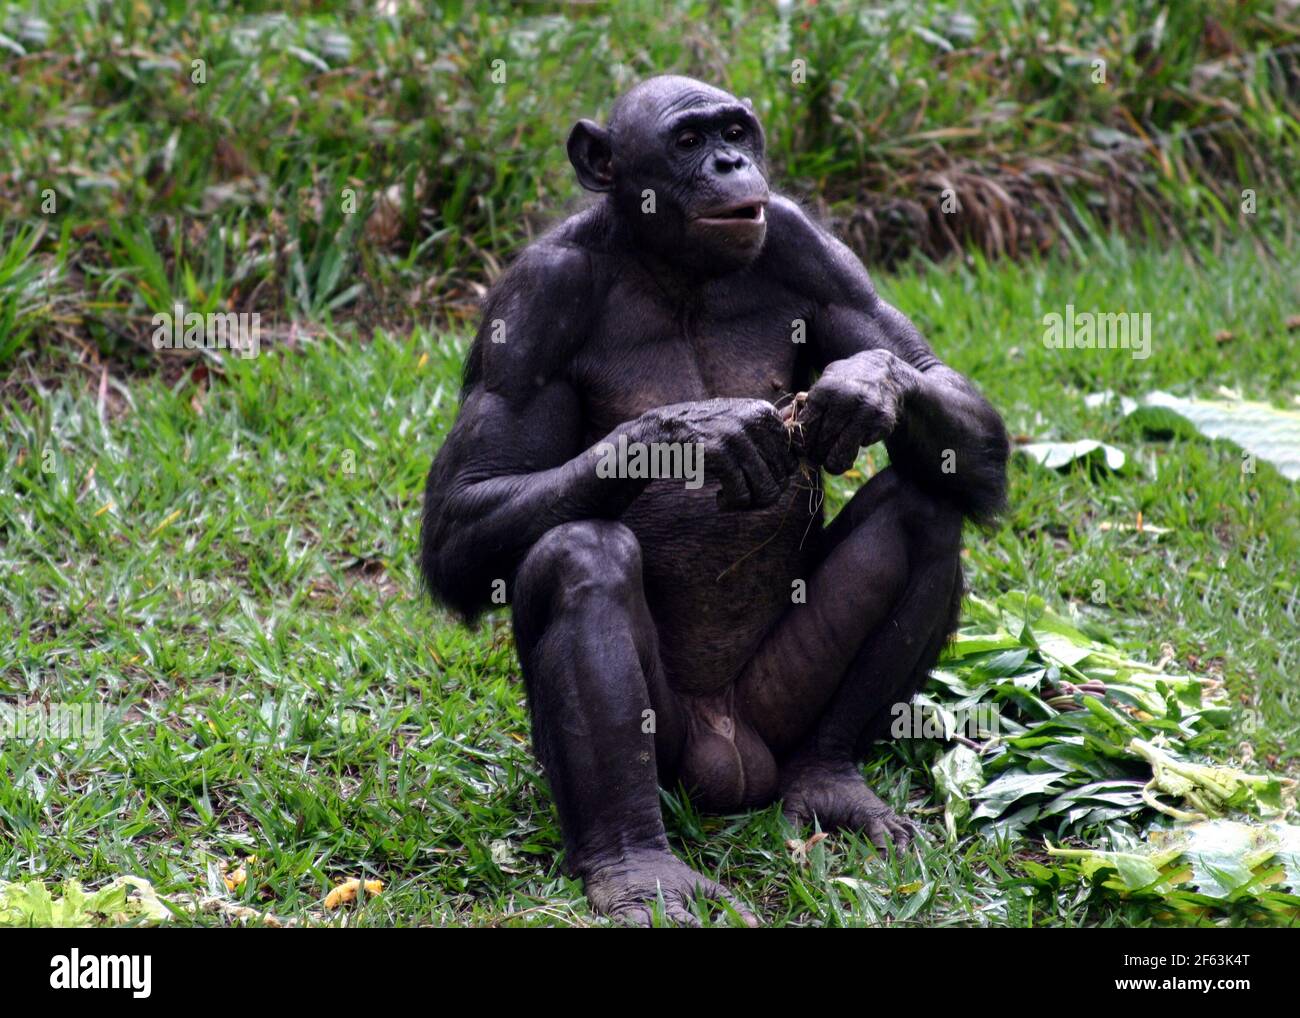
[(717, 579)]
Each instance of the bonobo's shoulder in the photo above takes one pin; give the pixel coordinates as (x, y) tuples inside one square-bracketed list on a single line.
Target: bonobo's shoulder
[(790, 220), (552, 263), (547, 288), (537, 312), (804, 255), (561, 265)]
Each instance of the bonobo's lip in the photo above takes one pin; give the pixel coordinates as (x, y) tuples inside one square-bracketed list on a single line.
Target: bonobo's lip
[(749, 212)]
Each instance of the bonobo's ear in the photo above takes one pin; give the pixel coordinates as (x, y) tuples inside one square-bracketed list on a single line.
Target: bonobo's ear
[(591, 155)]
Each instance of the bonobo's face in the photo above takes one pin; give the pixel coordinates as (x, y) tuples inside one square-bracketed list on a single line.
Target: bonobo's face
[(683, 162)]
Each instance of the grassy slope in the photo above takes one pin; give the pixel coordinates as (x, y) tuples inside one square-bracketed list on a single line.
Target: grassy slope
[(228, 192), (305, 705)]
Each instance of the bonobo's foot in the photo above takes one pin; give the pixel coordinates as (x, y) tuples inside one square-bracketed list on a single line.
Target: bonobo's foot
[(835, 793), (627, 889)]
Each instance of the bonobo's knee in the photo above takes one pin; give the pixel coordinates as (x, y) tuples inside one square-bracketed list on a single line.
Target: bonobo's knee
[(577, 559)]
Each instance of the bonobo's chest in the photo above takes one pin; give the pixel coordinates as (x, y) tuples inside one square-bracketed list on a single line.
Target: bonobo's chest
[(741, 336)]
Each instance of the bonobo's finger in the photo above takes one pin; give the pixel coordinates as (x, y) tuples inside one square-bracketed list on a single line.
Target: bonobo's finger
[(810, 424), (828, 414), (796, 815), (890, 831), (764, 489), (879, 837), (844, 450), (681, 915), (632, 915), (902, 830), (781, 463), (734, 493), (843, 455), (878, 429), (772, 440)]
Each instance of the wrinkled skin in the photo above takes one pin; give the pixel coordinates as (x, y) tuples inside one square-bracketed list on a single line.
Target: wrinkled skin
[(659, 634)]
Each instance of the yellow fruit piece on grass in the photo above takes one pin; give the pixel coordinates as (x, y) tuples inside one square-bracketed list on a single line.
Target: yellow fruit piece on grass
[(347, 891)]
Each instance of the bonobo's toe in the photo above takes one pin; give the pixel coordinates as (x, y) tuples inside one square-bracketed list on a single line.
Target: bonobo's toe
[(626, 890), (886, 827), (835, 794)]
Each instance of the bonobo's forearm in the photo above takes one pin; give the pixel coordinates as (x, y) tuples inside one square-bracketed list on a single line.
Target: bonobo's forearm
[(950, 440), (484, 527)]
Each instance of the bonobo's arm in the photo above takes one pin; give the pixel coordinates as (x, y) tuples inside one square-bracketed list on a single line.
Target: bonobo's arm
[(513, 465), (939, 430)]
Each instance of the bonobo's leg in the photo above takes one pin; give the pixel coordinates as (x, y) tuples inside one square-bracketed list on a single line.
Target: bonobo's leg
[(591, 664), (881, 601)]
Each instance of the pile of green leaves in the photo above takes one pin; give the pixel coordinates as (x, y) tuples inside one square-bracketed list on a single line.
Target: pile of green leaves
[(1072, 738), (1199, 869), (1080, 736), (125, 901)]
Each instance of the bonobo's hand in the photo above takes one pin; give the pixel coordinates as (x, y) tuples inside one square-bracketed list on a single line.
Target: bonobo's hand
[(746, 446), (855, 402)]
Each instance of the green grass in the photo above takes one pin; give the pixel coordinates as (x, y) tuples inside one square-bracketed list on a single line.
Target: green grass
[(196, 553), (225, 552)]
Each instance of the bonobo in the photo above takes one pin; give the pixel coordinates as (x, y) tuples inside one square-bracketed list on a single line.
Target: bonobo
[(714, 634)]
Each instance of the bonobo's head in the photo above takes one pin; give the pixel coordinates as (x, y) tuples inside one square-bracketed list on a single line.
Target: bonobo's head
[(683, 165)]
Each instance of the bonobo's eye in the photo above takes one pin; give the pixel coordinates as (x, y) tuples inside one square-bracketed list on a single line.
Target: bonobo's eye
[(733, 133), (689, 139)]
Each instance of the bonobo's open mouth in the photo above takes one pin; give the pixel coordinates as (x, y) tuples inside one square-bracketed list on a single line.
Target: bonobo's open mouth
[(750, 211)]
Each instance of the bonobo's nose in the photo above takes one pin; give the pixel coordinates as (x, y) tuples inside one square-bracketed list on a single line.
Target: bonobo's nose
[(728, 160)]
